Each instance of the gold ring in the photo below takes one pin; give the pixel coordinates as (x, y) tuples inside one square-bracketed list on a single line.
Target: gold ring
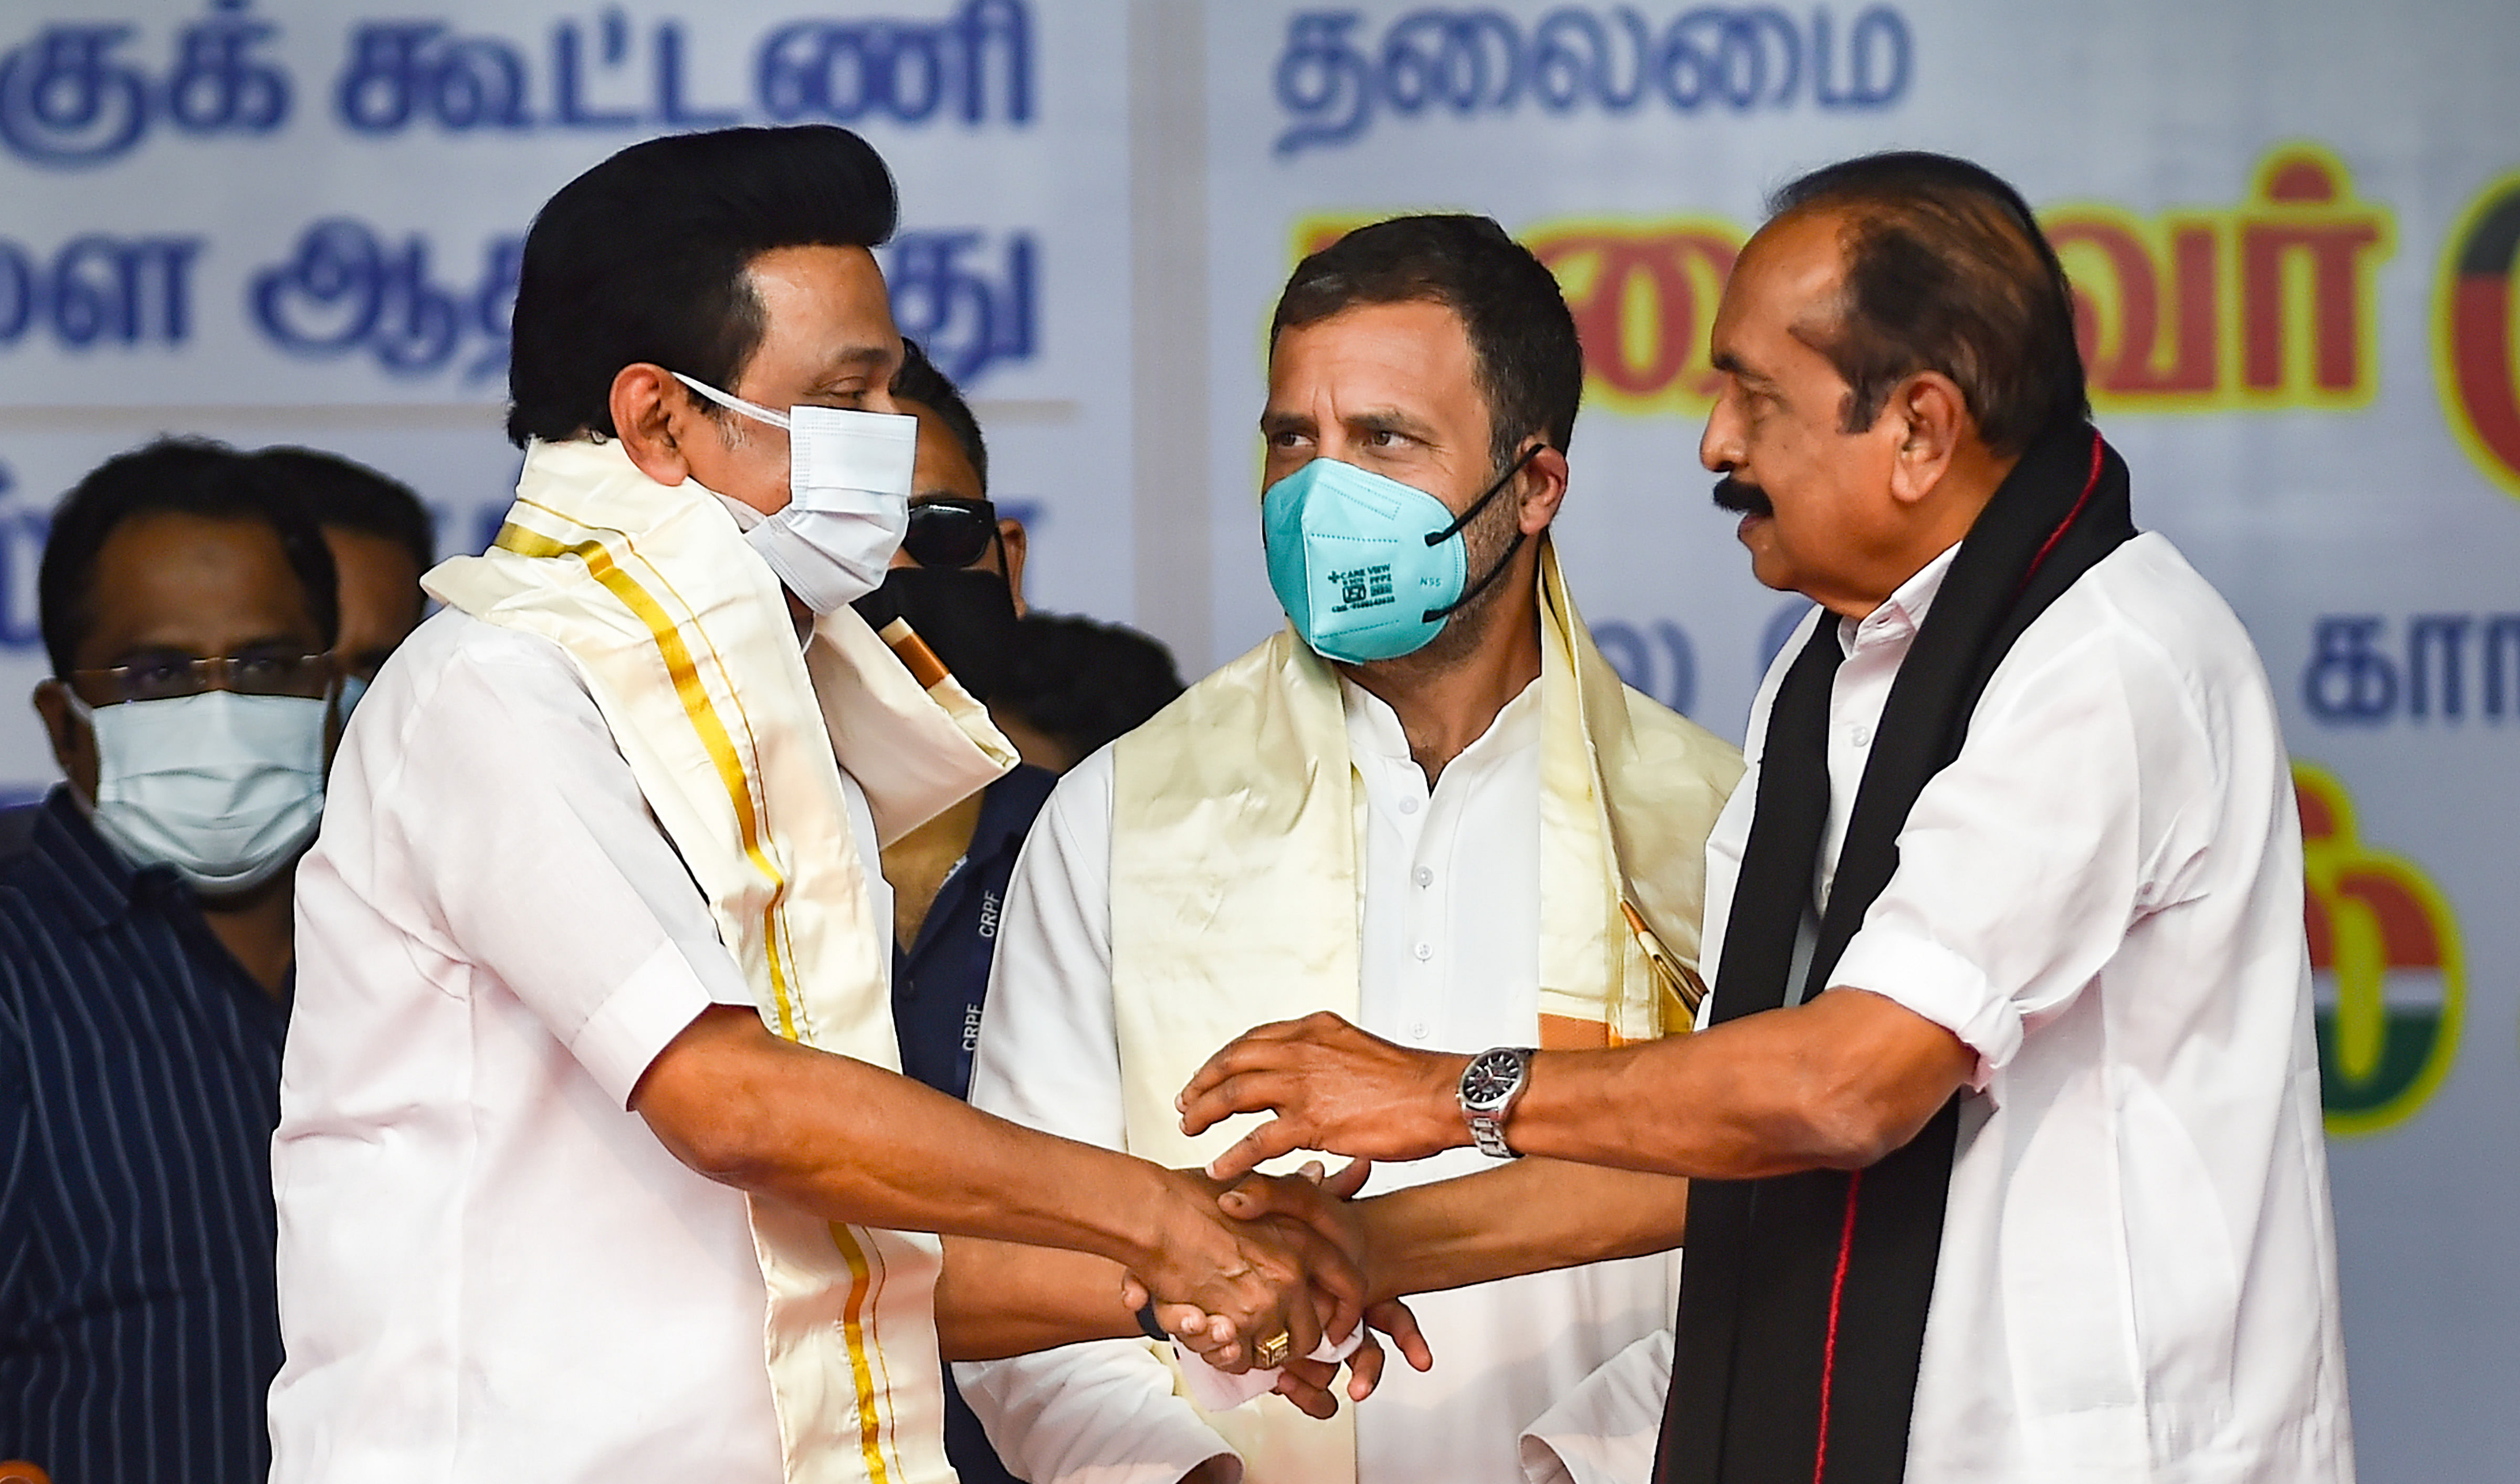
[(1272, 1353)]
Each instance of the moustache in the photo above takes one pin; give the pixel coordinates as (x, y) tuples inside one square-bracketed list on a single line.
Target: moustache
[(1741, 497)]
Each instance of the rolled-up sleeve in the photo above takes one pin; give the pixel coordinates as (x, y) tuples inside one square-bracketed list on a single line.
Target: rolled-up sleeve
[(2025, 861), (1103, 1412), (1606, 1430), (555, 878)]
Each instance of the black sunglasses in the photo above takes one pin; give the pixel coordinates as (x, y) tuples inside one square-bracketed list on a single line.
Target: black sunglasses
[(950, 531)]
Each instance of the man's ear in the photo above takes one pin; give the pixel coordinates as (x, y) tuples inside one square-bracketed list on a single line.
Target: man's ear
[(74, 741), (1544, 489), (652, 414), (1934, 413), (1013, 544)]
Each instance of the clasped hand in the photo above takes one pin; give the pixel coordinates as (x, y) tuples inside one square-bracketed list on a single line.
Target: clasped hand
[(1303, 1250)]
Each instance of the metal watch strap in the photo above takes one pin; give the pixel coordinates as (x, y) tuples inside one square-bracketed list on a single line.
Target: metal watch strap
[(1487, 1124), (1487, 1130)]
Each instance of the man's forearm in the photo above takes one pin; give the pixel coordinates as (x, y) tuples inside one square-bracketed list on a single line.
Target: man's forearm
[(1835, 1083), (852, 1142), (1832, 1084), (996, 1299), (1530, 1215)]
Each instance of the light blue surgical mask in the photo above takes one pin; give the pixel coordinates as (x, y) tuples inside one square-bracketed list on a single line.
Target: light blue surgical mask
[(1368, 568), (226, 789)]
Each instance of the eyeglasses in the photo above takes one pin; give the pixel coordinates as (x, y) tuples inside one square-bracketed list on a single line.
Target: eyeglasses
[(363, 665), (950, 531), (309, 676)]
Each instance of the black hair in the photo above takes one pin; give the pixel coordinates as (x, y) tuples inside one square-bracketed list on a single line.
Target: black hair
[(918, 381), (643, 258), (1946, 270), (354, 497), (1084, 683), (187, 476), (1530, 364)]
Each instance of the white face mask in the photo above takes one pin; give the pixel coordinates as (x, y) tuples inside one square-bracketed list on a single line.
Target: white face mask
[(224, 788), (848, 497)]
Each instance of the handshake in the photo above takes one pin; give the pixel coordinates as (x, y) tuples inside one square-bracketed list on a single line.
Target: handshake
[(1251, 1271), (1289, 1262), (1274, 1273)]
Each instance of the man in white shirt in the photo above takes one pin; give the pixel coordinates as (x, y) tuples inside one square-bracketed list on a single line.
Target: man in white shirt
[(1427, 803), (2006, 1117), (544, 1176)]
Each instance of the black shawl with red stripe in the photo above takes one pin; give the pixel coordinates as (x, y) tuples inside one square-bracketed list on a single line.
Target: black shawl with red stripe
[(1803, 1302)]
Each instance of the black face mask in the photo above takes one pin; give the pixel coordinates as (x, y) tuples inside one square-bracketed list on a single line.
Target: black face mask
[(966, 615)]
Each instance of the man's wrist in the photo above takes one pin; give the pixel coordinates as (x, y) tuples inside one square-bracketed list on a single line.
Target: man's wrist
[(1178, 1221), (1373, 1226), (1447, 1119), (1491, 1091)]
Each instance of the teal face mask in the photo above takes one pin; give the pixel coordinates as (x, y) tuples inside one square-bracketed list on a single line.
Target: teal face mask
[(1368, 568)]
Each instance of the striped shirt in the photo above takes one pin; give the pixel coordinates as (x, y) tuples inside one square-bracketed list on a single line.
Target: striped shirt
[(139, 1085)]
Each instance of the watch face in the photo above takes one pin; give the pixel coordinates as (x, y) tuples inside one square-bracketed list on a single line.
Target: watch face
[(1491, 1078)]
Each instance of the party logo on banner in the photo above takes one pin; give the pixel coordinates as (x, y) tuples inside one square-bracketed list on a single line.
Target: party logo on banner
[(2384, 952), (2476, 332), (2268, 303)]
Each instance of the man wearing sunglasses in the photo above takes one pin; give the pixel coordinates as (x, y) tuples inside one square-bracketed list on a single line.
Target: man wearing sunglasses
[(957, 579), (145, 948)]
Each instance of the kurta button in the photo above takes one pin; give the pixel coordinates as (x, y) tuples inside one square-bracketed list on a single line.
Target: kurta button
[(1425, 876), (1425, 951), (1408, 806)]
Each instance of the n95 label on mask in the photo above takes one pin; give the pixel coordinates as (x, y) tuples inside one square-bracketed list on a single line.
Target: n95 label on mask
[(1362, 587)]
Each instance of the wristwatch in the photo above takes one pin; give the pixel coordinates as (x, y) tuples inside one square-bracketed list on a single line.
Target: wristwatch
[(1490, 1085)]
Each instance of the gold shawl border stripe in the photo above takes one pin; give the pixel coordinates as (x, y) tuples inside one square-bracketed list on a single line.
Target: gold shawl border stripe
[(855, 1322), (697, 706)]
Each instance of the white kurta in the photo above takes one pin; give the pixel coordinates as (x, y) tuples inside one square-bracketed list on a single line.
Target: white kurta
[(1449, 959), (489, 1271), (2102, 897)]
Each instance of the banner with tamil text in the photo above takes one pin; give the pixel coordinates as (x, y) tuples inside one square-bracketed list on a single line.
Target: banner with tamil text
[(286, 220), (2294, 233)]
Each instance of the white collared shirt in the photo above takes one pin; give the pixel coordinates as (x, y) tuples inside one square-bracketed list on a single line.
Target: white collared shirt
[(2102, 898), (1449, 959), (490, 1269)]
